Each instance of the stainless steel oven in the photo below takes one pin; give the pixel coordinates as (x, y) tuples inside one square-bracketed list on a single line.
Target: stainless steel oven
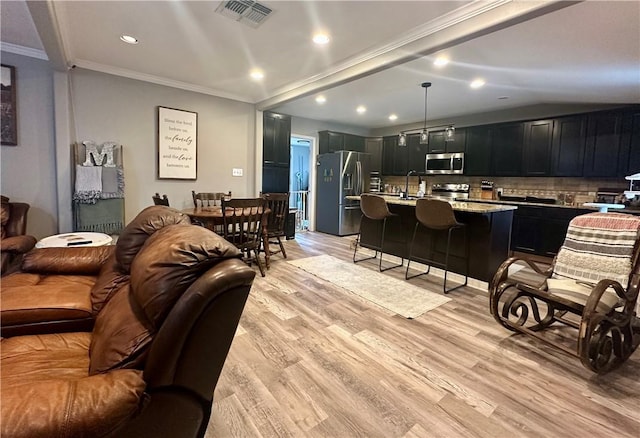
[(445, 164)]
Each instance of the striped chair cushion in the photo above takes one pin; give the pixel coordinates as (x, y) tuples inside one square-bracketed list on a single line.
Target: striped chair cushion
[(598, 246)]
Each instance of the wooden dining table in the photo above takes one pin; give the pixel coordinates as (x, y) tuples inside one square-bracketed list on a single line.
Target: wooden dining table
[(212, 218)]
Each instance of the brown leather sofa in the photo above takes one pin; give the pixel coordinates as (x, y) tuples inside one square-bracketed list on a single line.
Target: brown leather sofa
[(151, 363), (13, 238)]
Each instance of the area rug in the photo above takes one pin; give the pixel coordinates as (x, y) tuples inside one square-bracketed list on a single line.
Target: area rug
[(397, 296)]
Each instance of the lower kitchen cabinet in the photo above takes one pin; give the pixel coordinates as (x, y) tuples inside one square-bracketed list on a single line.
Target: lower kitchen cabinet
[(541, 230)]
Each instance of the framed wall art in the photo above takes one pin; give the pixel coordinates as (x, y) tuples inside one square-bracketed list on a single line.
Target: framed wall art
[(177, 144), (9, 121)]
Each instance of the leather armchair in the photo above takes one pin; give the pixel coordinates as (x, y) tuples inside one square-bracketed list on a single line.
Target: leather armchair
[(63, 289), (151, 363), (14, 240)]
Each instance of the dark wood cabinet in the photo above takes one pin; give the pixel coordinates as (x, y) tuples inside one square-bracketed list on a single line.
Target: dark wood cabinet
[(276, 152), (629, 161), (506, 149), (417, 154), (276, 141), (568, 143), (354, 143), (373, 146), (603, 144), (477, 157), (541, 230), (437, 144), (330, 141), (536, 158), (394, 157)]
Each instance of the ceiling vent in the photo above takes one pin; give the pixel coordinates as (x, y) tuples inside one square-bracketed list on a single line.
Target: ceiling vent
[(249, 12)]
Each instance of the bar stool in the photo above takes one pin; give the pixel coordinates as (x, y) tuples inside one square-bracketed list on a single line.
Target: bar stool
[(374, 207), (437, 215)]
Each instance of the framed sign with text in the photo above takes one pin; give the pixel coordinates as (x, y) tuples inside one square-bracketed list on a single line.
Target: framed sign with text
[(177, 144)]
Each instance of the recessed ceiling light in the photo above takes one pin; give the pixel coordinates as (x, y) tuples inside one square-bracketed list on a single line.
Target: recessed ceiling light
[(321, 38), (393, 117), (129, 39), (440, 61), (321, 99), (361, 109), (477, 83), (256, 74)]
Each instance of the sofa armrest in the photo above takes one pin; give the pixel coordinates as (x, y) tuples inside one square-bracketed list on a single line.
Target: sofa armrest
[(89, 406), (18, 244), (67, 261)]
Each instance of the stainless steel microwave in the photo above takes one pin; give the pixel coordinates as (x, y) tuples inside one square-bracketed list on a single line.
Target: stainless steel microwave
[(444, 163)]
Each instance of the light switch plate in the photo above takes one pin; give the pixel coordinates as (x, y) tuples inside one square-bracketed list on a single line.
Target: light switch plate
[(236, 172)]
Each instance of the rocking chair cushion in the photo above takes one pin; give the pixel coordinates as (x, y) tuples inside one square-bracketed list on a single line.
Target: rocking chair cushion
[(579, 293), (598, 246)]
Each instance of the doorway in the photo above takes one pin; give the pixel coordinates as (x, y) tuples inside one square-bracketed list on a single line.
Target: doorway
[(301, 179)]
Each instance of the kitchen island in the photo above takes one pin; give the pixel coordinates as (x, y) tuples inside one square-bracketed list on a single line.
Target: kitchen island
[(488, 231)]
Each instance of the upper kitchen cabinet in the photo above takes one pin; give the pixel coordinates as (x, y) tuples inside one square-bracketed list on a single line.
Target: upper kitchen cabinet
[(373, 146), (477, 157), (394, 157), (276, 150), (438, 142), (506, 149), (568, 144), (603, 146), (417, 153), (276, 140), (537, 148), (331, 141), (629, 162)]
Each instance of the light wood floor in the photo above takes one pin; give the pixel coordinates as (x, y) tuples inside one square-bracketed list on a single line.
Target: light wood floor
[(313, 360)]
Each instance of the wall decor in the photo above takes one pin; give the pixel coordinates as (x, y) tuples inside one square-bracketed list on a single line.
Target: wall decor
[(8, 115), (177, 144)]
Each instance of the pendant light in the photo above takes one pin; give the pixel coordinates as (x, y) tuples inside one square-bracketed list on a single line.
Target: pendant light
[(424, 135), (450, 133), (402, 139)]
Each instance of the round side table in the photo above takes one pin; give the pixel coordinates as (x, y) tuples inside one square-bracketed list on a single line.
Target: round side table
[(80, 238)]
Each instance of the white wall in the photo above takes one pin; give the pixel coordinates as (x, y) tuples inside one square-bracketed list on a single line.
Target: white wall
[(112, 108), (310, 127), (28, 169)]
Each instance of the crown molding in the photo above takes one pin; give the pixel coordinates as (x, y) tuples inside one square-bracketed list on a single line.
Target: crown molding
[(94, 66), (24, 51)]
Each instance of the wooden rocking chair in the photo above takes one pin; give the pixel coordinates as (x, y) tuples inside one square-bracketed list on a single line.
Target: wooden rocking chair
[(592, 286)]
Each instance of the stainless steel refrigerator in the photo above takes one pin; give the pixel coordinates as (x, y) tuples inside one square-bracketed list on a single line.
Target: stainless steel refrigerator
[(339, 175)]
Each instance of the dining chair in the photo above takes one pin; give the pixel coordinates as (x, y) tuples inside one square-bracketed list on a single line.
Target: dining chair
[(243, 227), (278, 204), (209, 199), (157, 200)]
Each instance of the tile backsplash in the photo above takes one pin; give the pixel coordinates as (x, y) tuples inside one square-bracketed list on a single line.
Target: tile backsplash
[(582, 189)]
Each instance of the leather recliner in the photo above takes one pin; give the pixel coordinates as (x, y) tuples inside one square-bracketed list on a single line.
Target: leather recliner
[(13, 238), (151, 363), (63, 289)]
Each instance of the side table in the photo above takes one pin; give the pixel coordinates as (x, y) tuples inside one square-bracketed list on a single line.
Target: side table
[(80, 238)]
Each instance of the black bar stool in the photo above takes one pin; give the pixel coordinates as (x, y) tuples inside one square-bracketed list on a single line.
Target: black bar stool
[(437, 215), (374, 207)]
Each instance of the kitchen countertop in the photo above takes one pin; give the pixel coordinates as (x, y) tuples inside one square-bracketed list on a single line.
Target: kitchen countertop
[(469, 207), (584, 206)]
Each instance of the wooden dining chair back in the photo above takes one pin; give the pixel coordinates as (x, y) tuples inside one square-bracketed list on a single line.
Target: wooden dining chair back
[(243, 227), (592, 286), (208, 199), (158, 200), (278, 204)]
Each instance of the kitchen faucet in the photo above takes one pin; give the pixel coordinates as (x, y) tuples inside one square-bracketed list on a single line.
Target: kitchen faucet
[(406, 186)]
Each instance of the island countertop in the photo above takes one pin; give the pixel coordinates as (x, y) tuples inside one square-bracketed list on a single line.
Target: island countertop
[(468, 207)]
